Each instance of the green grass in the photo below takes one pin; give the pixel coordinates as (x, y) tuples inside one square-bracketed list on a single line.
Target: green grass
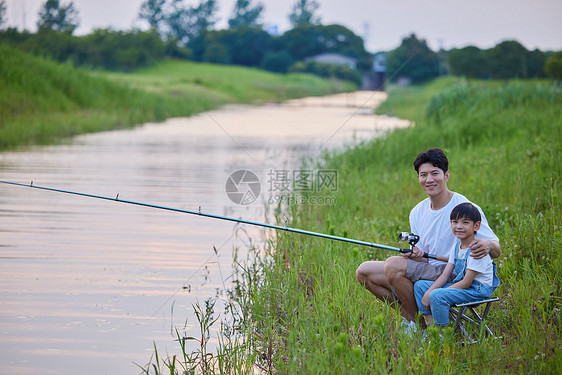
[(229, 83), (42, 101), (411, 101), (299, 309), (504, 148)]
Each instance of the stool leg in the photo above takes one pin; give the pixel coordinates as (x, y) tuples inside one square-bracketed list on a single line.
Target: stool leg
[(459, 314), (479, 320), (458, 322), (484, 315)]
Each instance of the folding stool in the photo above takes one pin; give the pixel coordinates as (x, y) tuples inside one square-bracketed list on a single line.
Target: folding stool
[(459, 312)]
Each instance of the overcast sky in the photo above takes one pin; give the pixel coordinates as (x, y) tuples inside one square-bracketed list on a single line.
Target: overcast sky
[(382, 24)]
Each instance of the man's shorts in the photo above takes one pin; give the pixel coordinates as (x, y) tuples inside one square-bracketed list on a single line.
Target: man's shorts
[(424, 271)]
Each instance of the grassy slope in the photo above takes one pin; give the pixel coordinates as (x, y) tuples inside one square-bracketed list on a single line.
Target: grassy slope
[(42, 101), (229, 83), (504, 145)]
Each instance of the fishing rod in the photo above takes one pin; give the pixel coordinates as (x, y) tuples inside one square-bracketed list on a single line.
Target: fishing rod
[(404, 236)]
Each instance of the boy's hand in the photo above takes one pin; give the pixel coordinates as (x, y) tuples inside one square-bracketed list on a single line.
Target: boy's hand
[(425, 301)]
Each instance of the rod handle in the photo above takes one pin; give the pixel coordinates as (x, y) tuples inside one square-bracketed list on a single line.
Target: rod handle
[(425, 255), (430, 256)]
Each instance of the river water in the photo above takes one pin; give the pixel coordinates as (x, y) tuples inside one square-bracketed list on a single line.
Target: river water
[(89, 286)]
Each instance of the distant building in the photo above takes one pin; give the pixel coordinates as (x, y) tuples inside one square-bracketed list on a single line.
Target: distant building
[(379, 63), (334, 58), (374, 80)]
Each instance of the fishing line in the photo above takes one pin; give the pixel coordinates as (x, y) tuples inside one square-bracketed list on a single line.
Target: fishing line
[(182, 286), (219, 265), (196, 271)]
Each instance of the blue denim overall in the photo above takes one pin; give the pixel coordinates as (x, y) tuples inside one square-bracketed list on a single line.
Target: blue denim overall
[(440, 300)]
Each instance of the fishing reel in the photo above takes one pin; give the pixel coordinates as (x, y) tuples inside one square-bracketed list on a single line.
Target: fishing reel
[(410, 237)]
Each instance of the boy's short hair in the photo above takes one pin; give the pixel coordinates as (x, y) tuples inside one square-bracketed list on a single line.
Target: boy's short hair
[(435, 156), (466, 210)]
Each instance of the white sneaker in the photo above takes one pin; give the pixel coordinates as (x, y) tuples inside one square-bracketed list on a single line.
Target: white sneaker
[(409, 327)]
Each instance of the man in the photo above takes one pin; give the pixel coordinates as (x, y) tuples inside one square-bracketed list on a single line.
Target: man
[(393, 280)]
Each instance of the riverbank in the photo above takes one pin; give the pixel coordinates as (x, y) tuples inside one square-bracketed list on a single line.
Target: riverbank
[(309, 313), (43, 102)]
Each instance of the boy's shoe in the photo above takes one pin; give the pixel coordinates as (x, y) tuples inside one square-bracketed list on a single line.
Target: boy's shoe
[(408, 327)]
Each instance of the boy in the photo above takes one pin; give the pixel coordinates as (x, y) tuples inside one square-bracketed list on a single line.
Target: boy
[(476, 278)]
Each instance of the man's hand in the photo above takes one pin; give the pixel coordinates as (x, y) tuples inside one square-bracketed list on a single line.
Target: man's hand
[(416, 255), (481, 247), (425, 301)]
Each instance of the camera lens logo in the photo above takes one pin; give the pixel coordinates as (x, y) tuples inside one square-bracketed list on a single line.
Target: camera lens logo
[(243, 187)]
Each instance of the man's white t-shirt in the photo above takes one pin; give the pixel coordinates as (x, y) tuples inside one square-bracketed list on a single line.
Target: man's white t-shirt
[(434, 227), (484, 267)]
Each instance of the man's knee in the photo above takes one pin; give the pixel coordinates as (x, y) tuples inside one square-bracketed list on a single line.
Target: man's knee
[(363, 272), (395, 267), (360, 275), (371, 274)]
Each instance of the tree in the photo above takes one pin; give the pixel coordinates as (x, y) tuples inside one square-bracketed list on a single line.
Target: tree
[(244, 45), (216, 53), (152, 11), (302, 41), (203, 16), (58, 17), (507, 60), (3, 9), (59, 46), (553, 66), (307, 40), (535, 61), (244, 14), (276, 61), (185, 24), (413, 59), (177, 19), (302, 13), (468, 61), (119, 50)]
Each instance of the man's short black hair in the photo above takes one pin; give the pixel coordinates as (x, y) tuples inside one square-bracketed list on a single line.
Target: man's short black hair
[(435, 156), (466, 210)]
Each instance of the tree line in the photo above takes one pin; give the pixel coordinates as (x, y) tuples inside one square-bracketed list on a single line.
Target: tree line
[(180, 31), (187, 32), (508, 59)]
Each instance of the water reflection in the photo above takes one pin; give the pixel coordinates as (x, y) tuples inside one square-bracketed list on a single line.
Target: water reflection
[(87, 285)]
